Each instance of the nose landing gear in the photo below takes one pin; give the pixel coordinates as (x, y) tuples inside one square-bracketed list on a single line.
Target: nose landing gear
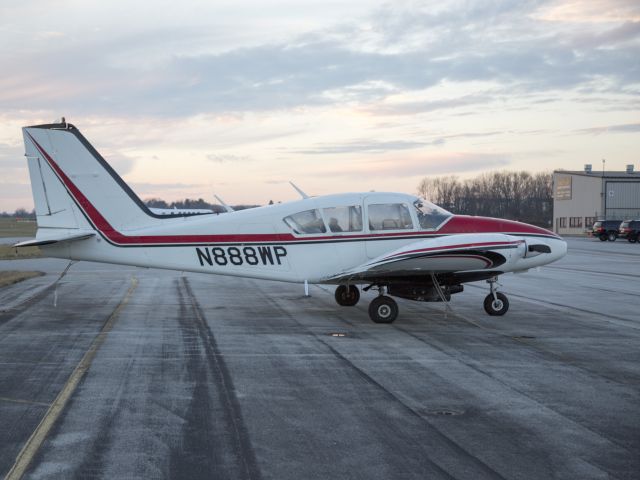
[(495, 303)]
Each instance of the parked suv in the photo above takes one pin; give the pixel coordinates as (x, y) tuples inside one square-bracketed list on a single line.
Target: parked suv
[(606, 229), (630, 229)]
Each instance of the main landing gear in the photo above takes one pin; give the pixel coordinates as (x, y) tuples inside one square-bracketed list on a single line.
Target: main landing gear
[(495, 303), (347, 295), (382, 309)]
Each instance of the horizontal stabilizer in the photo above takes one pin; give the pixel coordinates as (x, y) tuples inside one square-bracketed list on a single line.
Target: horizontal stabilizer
[(48, 241)]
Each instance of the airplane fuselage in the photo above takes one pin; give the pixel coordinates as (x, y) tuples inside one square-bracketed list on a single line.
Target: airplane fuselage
[(257, 243)]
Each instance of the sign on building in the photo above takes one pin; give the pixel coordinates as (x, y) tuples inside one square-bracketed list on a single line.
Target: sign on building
[(563, 188)]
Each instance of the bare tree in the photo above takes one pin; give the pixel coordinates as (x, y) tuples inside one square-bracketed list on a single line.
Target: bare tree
[(512, 195)]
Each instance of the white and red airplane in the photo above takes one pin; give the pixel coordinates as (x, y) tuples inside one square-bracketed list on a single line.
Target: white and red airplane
[(395, 243)]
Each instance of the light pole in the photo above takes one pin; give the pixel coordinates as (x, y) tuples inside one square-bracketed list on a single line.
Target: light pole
[(603, 195)]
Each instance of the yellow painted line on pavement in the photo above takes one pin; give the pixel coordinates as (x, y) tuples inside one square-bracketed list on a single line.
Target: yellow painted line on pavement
[(30, 449)]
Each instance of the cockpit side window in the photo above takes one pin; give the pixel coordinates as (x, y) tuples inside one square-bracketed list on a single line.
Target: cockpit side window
[(344, 219), (308, 221), (389, 216), (430, 216)]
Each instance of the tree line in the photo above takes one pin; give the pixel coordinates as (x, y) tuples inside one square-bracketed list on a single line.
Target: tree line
[(19, 213), (518, 196)]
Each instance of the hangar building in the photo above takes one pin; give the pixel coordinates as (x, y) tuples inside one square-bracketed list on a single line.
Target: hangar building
[(582, 197)]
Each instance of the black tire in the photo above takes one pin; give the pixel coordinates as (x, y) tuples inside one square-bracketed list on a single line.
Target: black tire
[(612, 236), (347, 297), (632, 238), (496, 308), (383, 309), (603, 238)]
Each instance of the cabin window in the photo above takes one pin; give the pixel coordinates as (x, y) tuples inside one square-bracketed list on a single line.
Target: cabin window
[(308, 221), (344, 219), (430, 216), (389, 216)]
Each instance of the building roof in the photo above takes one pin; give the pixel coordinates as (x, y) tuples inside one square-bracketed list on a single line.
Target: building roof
[(599, 174)]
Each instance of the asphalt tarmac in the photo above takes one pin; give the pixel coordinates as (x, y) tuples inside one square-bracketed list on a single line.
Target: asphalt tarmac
[(115, 372)]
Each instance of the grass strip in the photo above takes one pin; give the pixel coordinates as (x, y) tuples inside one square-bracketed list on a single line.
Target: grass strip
[(10, 277), (8, 252)]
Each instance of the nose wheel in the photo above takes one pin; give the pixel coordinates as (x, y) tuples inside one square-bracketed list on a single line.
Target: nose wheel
[(496, 303)]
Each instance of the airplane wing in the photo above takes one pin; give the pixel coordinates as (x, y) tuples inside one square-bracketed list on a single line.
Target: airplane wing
[(471, 255), (56, 239)]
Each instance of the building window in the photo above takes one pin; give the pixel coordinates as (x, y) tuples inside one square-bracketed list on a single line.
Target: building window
[(589, 221), (563, 222), (575, 222)]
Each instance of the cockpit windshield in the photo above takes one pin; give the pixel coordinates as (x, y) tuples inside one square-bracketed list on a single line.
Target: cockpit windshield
[(429, 215)]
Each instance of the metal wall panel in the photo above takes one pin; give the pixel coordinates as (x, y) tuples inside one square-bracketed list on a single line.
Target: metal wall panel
[(623, 195)]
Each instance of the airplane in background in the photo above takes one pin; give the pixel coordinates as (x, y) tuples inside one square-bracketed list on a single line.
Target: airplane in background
[(398, 244)]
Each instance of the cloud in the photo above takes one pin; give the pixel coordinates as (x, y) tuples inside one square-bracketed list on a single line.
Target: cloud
[(366, 146), (409, 47), (373, 146), (590, 11), (227, 158), (419, 165), (412, 108), (12, 156), (146, 188), (120, 162), (625, 128)]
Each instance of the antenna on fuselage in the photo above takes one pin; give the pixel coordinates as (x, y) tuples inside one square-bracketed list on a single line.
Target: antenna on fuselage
[(226, 207), (302, 194)]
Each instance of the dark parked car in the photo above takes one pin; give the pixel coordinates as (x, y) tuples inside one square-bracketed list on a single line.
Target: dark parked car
[(630, 230), (606, 229)]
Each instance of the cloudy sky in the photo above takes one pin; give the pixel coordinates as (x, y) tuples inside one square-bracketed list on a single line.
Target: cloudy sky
[(237, 97)]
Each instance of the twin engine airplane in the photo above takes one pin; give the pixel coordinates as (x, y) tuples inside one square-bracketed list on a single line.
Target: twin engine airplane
[(395, 243)]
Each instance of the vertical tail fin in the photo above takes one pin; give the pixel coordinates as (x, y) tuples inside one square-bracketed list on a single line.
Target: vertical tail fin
[(74, 187)]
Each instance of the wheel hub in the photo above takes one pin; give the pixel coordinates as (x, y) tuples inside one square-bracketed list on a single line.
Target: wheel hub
[(384, 311)]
